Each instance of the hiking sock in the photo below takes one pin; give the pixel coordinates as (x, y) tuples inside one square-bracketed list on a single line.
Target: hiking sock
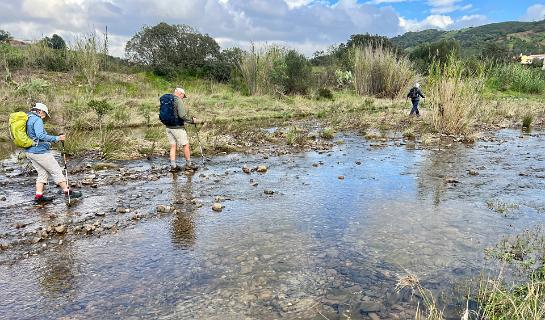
[(66, 191), (173, 163)]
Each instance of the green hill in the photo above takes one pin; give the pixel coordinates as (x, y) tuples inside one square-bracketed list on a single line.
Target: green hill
[(518, 37)]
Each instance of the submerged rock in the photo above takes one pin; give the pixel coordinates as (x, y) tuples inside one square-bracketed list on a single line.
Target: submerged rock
[(3, 198), (218, 207), (246, 170), (262, 169), (341, 177), (268, 192), (105, 166), (60, 229), (451, 180), (472, 172)]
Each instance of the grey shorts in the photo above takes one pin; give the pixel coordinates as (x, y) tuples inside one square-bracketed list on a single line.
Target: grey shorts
[(46, 165), (177, 136)]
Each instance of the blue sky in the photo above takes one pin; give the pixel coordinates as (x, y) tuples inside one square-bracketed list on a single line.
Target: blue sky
[(495, 10), (306, 25)]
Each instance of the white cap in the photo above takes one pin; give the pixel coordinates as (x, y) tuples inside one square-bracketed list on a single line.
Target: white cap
[(180, 91), (43, 107), (417, 85)]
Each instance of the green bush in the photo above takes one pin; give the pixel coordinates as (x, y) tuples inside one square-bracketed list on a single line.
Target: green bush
[(516, 77), (40, 55), (13, 57), (298, 73), (325, 93)]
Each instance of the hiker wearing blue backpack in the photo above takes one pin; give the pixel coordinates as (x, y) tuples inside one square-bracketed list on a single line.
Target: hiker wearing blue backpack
[(40, 156), (414, 94), (174, 115)]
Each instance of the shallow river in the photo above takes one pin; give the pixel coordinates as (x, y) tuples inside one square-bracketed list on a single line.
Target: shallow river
[(319, 247)]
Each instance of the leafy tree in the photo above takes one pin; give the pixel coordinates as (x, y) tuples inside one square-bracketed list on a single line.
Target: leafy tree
[(168, 49), (5, 36), (498, 52), (439, 51), (375, 41), (55, 42)]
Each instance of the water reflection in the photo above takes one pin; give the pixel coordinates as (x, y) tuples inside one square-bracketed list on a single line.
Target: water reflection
[(183, 225), (436, 166), (58, 275)]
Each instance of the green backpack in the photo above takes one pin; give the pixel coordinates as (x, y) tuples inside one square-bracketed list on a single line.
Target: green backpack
[(17, 130)]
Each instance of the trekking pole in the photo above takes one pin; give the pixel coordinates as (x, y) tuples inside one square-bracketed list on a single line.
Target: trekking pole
[(199, 141), (66, 171)]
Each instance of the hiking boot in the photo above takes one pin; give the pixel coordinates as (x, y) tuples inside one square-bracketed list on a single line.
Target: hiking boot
[(73, 194), (42, 200), (174, 169), (190, 167)]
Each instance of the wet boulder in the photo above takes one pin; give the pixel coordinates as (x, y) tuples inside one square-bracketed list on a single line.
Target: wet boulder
[(268, 192), (246, 170), (262, 169), (164, 208), (218, 207)]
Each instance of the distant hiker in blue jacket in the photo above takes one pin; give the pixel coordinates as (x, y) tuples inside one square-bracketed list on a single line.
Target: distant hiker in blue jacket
[(40, 156), (415, 93)]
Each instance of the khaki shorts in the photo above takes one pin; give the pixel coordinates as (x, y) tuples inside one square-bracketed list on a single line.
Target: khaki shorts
[(177, 136), (46, 165)]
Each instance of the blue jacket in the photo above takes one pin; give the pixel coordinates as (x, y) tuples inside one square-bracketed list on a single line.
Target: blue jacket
[(35, 130)]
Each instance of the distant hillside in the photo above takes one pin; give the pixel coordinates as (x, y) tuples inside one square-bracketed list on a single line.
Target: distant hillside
[(519, 37)]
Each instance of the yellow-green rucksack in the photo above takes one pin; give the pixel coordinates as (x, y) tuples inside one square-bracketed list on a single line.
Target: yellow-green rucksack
[(17, 130)]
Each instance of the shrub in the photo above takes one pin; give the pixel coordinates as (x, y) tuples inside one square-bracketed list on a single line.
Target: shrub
[(11, 57), (380, 72), (298, 73), (35, 89), (40, 55), (325, 93), (527, 121)]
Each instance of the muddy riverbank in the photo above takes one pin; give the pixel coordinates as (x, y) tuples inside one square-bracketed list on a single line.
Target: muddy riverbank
[(321, 233)]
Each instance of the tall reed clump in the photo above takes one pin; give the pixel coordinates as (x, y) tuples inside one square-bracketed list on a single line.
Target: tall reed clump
[(454, 96), (381, 72), (86, 57), (257, 68)]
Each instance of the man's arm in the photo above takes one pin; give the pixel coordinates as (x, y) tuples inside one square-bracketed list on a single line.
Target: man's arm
[(421, 94), (182, 113)]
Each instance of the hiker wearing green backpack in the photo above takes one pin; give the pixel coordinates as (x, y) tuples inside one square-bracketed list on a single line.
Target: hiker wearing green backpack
[(38, 152), (174, 116)]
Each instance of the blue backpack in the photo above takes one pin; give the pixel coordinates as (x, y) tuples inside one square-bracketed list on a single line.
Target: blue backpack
[(168, 113)]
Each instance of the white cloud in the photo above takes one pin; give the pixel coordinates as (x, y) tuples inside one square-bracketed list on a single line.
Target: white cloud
[(443, 22), (303, 24), (297, 3), (534, 13), (307, 25)]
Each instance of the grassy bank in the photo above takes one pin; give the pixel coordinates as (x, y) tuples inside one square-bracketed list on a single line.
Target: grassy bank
[(133, 102)]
